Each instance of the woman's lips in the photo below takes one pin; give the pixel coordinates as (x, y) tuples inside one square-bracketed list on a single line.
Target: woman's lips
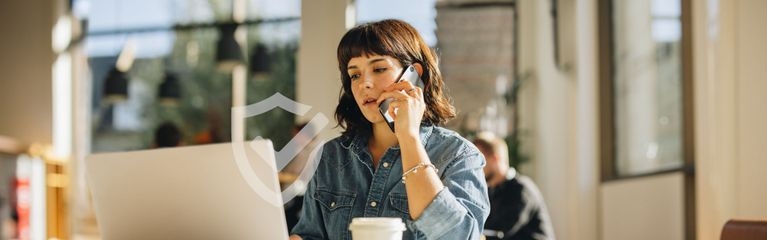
[(369, 101)]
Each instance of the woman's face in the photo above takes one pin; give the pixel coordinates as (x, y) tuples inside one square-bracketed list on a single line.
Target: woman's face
[(369, 76)]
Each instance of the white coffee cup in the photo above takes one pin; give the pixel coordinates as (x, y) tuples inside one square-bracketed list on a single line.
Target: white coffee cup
[(377, 228)]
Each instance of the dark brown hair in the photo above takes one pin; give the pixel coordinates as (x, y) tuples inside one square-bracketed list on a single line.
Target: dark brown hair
[(401, 41)]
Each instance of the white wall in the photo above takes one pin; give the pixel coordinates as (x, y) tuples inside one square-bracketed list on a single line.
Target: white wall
[(26, 108), (730, 114), (643, 208), (752, 109), (558, 113)]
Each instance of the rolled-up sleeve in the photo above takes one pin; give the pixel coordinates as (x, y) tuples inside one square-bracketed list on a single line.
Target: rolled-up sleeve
[(460, 209)]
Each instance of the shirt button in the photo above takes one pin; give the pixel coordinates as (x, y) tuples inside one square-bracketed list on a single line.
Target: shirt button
[(333, 204), (373, 204), (386, 165)]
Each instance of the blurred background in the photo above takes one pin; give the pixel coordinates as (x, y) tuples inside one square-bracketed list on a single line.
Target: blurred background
[(638, 119)]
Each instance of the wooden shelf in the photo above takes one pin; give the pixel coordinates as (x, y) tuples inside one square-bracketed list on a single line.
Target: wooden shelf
[(11, 146)]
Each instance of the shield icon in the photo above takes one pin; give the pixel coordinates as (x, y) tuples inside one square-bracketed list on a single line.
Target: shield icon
[(282, 157)]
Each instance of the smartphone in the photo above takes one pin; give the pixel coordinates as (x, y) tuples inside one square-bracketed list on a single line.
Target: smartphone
[(408, 74)]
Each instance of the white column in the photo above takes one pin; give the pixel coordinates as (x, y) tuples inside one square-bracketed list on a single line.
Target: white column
[(585, 171), (729, 113), (715, 115), (239, 73), (239, 95), (554, 133), (318, 79), (558, 114)]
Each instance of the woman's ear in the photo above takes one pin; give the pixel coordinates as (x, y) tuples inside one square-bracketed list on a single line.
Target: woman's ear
[(418, 68)]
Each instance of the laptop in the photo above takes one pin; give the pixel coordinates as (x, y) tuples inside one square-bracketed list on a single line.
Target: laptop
[(218, 191)]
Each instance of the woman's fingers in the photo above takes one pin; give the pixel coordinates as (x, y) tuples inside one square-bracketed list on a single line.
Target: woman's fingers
[(401, 85), (393, 106), (416, 92), (400, 92), (396, 95), (407, 101)]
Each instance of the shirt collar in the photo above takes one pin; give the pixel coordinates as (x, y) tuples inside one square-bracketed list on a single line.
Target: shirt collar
[(358, 142)]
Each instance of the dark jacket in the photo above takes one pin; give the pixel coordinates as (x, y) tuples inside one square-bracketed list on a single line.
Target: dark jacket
[(517, 210)]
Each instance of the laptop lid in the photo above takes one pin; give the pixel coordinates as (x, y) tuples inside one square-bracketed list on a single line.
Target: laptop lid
[(219, 191)]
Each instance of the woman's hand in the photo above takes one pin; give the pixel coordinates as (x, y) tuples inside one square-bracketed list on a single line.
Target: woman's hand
[(407, 108)]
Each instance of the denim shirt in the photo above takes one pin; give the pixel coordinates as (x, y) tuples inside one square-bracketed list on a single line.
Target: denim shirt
[(346, 186)]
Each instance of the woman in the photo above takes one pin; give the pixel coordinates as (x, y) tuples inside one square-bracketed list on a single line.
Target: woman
[(427, 175)]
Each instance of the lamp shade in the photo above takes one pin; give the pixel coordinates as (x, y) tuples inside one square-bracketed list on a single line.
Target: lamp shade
[(260, 61), (116, 85), (228, 51), (170, 89)]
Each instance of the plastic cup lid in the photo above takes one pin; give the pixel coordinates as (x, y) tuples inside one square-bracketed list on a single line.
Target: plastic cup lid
[(382, 223)]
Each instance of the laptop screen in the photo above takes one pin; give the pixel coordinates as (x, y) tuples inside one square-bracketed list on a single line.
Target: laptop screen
[(219, 191)]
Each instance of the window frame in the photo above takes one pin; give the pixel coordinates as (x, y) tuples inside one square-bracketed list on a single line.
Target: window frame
[(606, 105)]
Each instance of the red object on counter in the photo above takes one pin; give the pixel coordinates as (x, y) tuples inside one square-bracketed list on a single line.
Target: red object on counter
[(23, 202)]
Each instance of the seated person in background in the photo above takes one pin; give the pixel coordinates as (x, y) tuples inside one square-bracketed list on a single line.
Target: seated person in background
[(517, 209), (167, 135)]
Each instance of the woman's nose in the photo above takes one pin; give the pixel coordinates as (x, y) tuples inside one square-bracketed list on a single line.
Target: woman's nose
[(367, 82)]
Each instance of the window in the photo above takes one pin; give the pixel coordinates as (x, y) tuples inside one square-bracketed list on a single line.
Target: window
[(420, 14), (179, 39), (644, 87)]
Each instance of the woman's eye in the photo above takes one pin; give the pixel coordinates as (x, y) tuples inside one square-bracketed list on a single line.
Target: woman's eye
[(354, 76), (380, 70)]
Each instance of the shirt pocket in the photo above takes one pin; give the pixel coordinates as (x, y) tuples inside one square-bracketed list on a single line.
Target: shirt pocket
[(336, 212)]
